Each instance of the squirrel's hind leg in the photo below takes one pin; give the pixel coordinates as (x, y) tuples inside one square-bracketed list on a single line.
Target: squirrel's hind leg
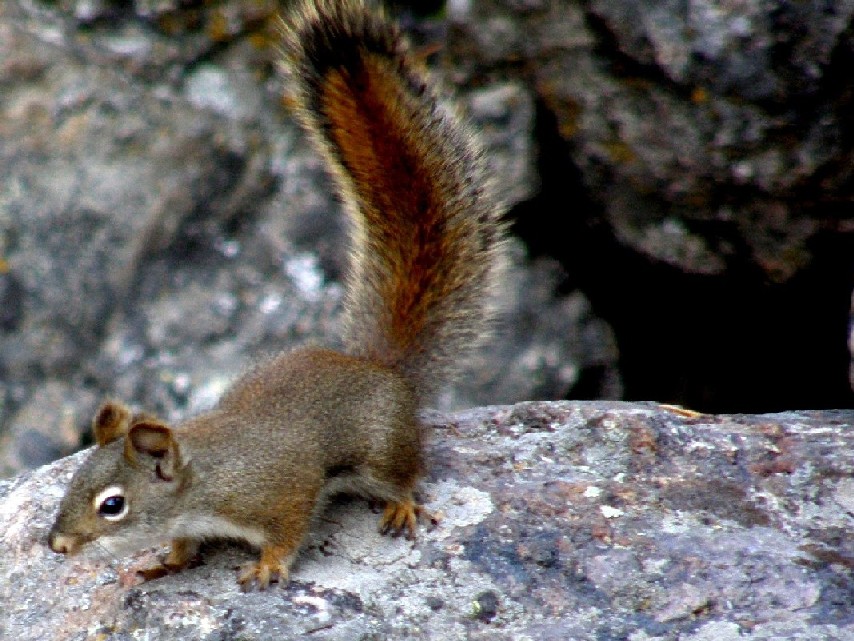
[(393, 479)]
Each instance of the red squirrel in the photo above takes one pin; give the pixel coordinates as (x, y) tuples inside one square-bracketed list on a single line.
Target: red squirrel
[(426, 253)]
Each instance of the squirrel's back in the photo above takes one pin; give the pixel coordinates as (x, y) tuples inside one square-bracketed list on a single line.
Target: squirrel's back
[(425, 224)]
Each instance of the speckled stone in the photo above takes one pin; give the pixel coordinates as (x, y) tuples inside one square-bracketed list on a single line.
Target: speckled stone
[(562, 521)]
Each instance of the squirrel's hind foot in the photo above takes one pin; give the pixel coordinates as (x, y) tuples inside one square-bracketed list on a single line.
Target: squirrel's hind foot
[(401, 517)]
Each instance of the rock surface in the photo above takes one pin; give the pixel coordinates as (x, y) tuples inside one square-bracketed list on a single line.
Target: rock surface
[(704, 130), (588, 521), (699, 156)]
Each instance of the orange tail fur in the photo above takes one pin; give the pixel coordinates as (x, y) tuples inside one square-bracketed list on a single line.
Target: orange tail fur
[(426, 226)]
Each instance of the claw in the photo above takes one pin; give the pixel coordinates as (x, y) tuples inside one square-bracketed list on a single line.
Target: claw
[(271, 568), (401, 517)]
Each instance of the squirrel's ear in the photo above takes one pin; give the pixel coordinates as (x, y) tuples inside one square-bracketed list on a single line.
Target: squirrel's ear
[(151, 440), (111, 422)]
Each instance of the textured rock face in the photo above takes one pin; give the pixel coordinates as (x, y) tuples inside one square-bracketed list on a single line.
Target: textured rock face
[(700, 154), (558, 521), (851, 342), (700, 127)]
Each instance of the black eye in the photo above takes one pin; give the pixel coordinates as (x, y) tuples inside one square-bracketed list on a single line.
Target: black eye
[(110, 503), (112, 506)]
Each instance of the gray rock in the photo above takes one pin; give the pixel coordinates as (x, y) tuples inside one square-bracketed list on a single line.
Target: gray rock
[(708, 133), (541, 358), (46, 427), (557, 521), (101, 176), (700, 152)]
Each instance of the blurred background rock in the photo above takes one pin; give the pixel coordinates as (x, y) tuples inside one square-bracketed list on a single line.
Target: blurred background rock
[(678, 176)]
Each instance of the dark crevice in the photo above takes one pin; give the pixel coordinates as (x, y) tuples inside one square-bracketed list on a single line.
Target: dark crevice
[(718, 343)]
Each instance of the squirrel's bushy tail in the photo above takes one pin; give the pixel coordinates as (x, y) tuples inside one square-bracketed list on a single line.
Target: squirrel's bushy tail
[(426, 248)]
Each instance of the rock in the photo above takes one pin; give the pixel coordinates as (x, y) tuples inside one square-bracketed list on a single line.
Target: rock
[(695, 164), (569, 520), (701, 130), (46, 427)]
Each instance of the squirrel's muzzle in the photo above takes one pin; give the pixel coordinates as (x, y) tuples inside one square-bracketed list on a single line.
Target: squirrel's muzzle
[(63, 543)]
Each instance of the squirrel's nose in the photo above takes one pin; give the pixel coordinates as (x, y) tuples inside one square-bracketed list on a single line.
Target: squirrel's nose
[(61, 543)]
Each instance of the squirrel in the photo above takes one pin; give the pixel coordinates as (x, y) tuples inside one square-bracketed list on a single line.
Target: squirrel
[(427, 239)]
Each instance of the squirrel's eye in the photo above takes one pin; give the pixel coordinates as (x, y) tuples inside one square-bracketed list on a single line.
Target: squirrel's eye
[(111, 504)]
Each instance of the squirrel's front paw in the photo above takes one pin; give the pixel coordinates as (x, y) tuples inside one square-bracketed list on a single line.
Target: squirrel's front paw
[(184, 554), (261, 574), (160, 570)]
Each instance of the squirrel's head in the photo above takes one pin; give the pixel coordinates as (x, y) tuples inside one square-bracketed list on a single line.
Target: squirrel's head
[(125, 490)]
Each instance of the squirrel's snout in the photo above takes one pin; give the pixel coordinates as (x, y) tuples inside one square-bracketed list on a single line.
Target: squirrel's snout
[(62, 543)]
